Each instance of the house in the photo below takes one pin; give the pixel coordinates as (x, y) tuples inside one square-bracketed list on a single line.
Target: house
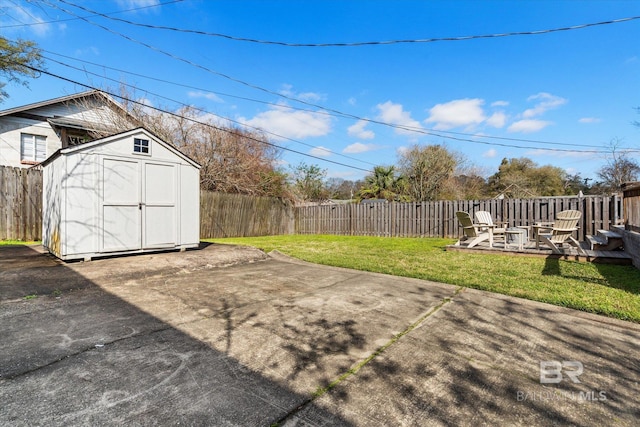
[(125, 193), (31, 133)]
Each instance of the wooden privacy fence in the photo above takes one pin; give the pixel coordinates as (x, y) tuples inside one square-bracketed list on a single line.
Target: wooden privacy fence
[(221, 215), (631, 206), (437, 219), (20, 203), (237, 215)]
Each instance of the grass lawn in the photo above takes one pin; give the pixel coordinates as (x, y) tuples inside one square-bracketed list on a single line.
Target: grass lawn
[(610, 290), (16, 242)]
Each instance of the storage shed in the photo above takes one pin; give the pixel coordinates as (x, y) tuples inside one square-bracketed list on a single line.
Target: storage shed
[(126, 193)]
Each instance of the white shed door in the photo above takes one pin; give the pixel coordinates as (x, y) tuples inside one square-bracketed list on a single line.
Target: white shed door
[(138, 205), (121, 205), (159, 206)]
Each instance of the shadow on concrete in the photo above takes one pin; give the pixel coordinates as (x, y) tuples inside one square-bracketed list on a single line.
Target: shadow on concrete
[(90, 358), (476, 362), (623, 277)]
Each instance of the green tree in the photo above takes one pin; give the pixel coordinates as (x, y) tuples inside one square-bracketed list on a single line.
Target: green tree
[(19, 59), (383, 183), (308, 182), (522, 177)]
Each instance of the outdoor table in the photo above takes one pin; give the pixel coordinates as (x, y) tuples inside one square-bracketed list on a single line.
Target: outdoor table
[(518, 234)]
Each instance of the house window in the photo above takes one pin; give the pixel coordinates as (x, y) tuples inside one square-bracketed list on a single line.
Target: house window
[(33, 148), (141, 146)]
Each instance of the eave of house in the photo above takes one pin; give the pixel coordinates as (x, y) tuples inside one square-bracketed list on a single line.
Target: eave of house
[(23, 110)]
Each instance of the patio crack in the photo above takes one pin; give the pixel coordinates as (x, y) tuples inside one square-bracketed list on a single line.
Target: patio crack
[(94, 347), (321, 391)]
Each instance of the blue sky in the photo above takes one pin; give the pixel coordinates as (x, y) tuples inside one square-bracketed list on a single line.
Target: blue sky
[(517, 96)]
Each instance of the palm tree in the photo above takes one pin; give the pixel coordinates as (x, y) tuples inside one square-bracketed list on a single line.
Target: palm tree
[(384, 183)]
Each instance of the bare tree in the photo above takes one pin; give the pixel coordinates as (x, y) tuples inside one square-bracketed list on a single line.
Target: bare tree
[(233, 160), (428, 171), (619, 168)]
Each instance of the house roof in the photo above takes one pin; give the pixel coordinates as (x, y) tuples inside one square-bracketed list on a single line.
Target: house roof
[(76, 124), (117, 136), (68, 98)]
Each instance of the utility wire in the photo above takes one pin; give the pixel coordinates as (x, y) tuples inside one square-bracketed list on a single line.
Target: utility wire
[(191, 63), (354, 44), (75, 82), (336, 113), (106, 15), (310, 155), (339, 113), (214, 114)]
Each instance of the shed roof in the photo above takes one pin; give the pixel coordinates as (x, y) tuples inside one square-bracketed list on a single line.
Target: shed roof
[(106, 140)]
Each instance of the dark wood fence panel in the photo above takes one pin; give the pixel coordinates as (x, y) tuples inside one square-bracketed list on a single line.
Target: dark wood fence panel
[(20, 203), (631, 209), (237, 215), (437, 219)]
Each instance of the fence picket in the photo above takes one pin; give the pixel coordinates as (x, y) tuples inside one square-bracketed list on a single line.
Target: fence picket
[(235, 215)]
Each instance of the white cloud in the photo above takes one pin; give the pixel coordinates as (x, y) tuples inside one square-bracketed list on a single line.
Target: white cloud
[(491, 153), (497, 119), (208, 95), (291, 123), (132, 4), (320, 151), (287, 90), (14, 13), (500, 103), (311, 97), (546, 102), (92, 50), (359, 147), (395, 114), (352, 101), (528, 126), (459, 112), (401, 150), (358, 130), (589, 120)]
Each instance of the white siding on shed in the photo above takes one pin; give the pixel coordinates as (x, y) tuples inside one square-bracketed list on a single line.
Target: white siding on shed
[(102, 198)]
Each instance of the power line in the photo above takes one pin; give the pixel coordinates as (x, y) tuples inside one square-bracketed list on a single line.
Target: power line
[(342, 114), (354, 44), (273, 104), (22, 24), (75, 82), (215, 115), (336, 113), (295, 151)]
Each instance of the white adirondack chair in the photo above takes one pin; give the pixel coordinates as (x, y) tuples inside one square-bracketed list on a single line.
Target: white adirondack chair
[(484, 218), (474, 232), (561, 232)]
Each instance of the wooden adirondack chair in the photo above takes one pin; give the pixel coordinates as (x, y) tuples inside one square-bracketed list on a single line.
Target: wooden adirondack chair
[(484, 218), (474, 232), (561, 232)]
